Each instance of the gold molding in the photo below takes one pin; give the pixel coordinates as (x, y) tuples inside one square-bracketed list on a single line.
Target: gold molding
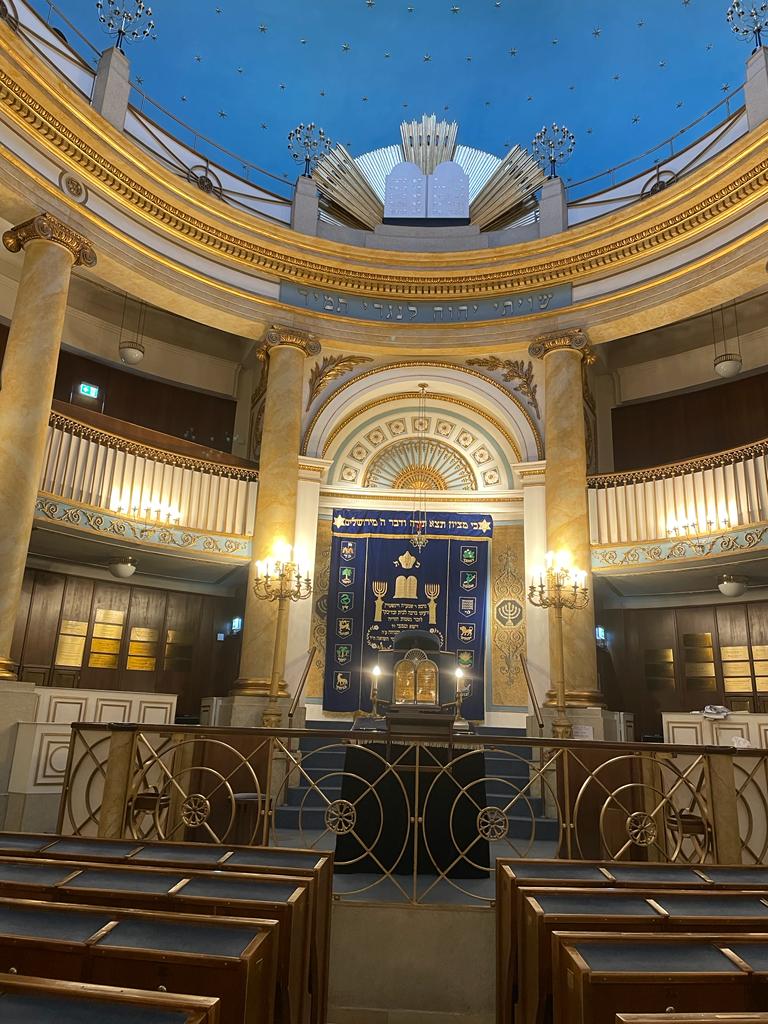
[(456, 497), (47, 228), (671, 469), (573, 340), (69, 425), (628, 237), (49, 503), (439, 365), (330, 369), (412, 396)]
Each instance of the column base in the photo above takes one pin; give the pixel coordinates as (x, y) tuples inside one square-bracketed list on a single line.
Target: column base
[(8, 669), (586, 724), (254, 711), (256, 686)]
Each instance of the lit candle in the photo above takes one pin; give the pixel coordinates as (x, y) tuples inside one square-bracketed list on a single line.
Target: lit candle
[(375, 672), (459, 677)]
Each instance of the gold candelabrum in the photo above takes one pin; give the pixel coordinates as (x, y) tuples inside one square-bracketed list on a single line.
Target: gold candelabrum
[(282, 580), (558, 586)]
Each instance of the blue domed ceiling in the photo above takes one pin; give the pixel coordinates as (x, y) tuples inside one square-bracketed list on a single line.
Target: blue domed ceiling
[(623, 76)]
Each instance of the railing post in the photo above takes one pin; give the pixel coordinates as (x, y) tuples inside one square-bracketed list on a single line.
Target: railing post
[(724, 809), (117, 781)]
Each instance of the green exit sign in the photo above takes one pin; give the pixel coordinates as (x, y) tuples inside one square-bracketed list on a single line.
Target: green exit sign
[(88, 390)]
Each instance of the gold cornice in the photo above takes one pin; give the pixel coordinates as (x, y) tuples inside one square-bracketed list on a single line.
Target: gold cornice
[(574, 340), (672, 469), (69, 425), (437, 364), (48, 228), (457, 497), (676, 215)]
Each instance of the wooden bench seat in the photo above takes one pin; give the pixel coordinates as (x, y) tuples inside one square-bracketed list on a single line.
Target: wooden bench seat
[(318, 867), (231, 959), (544, 911), (182, 891), (42, 1001), (512, 874), (599, 975)]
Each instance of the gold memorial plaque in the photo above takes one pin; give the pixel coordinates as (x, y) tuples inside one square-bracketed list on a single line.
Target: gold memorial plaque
[(144, 633), (699, 654), (665, 669), (176, 636), (102, 661), (69, 652), (737, 668), (658, 683), (110, 615), (137, 647), (697, 639), (103, 629), (759, 652), (762, 684), (74, 627), (134, 664), (105, 646), (734, 653), (761, 668), (699, 669), (738, 685), (656, 654)]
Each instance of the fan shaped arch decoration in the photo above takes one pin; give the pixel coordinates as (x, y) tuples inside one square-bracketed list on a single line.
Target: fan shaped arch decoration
[(427, 466)]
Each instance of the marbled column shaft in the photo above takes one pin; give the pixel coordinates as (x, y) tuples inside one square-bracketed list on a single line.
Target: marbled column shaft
[(568, 516), (26, 392), (275, 512)]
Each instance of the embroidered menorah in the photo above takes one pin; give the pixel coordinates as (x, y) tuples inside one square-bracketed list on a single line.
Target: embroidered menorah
[(432, 592), (379, 588)]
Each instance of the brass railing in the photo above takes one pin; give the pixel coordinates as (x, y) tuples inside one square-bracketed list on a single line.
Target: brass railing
[(416, 819)]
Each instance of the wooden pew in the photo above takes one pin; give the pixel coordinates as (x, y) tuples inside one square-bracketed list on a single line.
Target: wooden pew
[(247, 859), (544, 911), (512, 874), (42, 1001), (232, 959), (601, 974), (182, 891)]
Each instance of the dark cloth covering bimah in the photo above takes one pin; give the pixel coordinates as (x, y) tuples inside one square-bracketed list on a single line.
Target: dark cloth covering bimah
[(384, 799)]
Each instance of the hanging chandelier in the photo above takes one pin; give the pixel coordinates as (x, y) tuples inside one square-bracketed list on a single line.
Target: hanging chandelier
[(421, 475)]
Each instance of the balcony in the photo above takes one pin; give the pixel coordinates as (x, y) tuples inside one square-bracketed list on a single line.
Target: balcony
[(703, 508), (176, 498)]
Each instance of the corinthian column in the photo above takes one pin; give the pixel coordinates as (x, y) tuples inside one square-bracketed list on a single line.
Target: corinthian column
[(567, 509), (275, 502), (51, 249)]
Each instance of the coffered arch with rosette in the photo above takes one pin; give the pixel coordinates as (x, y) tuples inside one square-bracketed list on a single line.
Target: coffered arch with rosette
[(472, 431)]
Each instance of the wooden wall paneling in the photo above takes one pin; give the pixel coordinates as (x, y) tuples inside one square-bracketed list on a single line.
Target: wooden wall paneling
[(42, 626), (72, 634), (757, 620), (683, 426), (612, 664), (180, 643), (144, 641), (22, 617), (651, 682), (182, 412), (107, 637), (699, 660), (735, 659)]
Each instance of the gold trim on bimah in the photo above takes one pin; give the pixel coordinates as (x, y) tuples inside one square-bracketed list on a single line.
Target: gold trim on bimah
[(48, 228)]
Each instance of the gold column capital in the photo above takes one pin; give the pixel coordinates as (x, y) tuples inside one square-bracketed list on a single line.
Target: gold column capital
[(278, 336), (574, 340), (50, 229)]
